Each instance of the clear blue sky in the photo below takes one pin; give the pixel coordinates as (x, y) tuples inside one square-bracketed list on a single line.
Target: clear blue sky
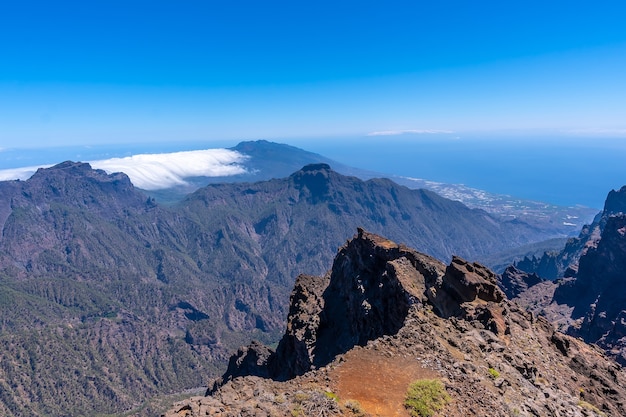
[(91, 72)]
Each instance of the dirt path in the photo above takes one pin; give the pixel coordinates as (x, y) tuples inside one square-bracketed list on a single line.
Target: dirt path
[(377, 381)]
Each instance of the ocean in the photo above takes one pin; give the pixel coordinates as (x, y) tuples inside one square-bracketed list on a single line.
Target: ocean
[(556, 170)]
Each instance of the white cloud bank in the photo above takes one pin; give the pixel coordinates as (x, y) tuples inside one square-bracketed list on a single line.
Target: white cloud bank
[(408, 131), (23, 173), (159, 171)]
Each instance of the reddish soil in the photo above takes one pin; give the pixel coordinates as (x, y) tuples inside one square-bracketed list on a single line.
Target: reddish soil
[(378, 382)]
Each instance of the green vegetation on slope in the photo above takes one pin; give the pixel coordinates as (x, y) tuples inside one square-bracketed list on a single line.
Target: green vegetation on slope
[(425, 397)]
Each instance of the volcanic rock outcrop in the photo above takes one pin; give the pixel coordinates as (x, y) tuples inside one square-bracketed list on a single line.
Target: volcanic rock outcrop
[(514, 281), (386, 315), (589, 301), (554, 265), (598, 294)]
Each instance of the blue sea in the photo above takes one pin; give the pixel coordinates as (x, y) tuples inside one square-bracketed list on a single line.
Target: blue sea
[(563, 171)]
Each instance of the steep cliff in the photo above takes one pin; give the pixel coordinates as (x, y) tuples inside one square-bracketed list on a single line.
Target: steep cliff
[(564, 263), (589, 300), (386, 315)]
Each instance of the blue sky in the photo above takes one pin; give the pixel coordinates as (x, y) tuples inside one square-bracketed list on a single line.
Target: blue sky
[(163, 71)]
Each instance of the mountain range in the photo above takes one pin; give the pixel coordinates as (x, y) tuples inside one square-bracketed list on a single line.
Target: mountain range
[(109, 297)]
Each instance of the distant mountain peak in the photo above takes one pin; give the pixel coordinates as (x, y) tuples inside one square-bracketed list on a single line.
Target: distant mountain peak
[(67, 167), (615, 201), (78, 171), (316, 167), (314, 181)]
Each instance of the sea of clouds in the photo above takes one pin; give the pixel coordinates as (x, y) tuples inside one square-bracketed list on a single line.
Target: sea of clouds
[(158, 171)]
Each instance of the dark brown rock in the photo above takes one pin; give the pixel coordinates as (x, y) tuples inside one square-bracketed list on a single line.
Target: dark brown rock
[(295, 355), (514, 281), (463, 286), (251, 360), (599, 292)]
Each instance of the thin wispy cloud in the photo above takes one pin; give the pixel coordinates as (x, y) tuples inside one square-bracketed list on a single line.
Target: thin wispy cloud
[(408, 131), (598, 131), (158, 171)]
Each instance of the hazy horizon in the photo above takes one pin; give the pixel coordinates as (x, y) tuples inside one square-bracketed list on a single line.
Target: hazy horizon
[(555, 170), (356, 81)]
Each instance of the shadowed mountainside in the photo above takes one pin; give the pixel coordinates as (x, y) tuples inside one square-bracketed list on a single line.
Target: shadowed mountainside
[(589, 299)]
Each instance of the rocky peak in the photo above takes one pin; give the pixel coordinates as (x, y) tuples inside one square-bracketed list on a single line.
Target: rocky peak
[(514, 281), (598, 294), (615, 202), (313, 180), (77, 184), (555, 265), (385, 315), (589, 302), (69, 170), (368, 294), (372, 285)]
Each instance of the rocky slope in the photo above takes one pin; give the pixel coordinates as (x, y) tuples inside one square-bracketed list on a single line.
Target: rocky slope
[(386, 315), (564, 263), (589, 300), (108, 298)]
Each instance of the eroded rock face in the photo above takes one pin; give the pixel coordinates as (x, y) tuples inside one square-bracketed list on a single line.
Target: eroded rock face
[(599, 292), (295, 353), (589, 301), (383, 300), (615, 201), (464, 283), (514, 281), (373, 284)]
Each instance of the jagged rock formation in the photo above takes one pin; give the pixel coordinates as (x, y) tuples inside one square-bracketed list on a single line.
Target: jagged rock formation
[(554, 265), (514, 281), (598, 294), (386, 314), (589, 301)]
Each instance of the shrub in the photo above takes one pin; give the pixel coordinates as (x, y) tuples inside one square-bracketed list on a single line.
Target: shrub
[(425, 397), (315, 403), (494, 373), (331, 395), (590, 407), (355, 407)]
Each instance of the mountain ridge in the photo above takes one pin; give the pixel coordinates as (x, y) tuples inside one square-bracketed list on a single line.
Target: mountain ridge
[(267, 160)]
